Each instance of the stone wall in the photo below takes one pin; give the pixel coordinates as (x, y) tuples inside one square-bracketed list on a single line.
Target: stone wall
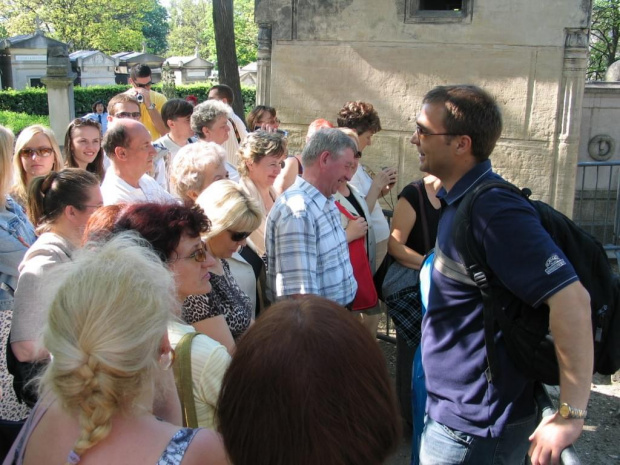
[(316, 55)]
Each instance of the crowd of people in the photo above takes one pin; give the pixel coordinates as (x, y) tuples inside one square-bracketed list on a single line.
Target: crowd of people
[(178, 288)]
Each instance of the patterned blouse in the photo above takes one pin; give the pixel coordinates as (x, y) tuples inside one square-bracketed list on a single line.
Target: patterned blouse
[(226, 298)]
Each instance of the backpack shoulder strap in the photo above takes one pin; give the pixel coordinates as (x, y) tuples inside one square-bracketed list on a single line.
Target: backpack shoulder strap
[(182, 367), (473, 259)]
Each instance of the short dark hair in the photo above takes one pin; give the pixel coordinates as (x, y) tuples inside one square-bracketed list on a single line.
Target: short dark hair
[(176, 108), (308, 385), (163, 225), (470, 111), (359, 116), (116, 136), (223, 91), (98, 102), (140, 70)]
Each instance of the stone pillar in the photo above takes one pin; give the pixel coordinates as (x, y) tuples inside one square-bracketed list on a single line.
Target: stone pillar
[(570, 102), (59, 83), (263, 86)]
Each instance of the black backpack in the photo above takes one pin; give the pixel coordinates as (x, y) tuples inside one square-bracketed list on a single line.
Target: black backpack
[(526, 330)]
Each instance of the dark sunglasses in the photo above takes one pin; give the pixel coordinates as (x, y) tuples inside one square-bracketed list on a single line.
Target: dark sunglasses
[(144, 86), (358, 154), (238, 236)]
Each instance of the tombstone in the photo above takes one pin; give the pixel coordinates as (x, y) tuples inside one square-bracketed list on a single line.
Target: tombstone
[(613, 72), (59, 83)]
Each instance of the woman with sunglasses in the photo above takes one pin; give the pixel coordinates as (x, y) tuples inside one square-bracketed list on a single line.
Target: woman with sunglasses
[(59, 207), (36, 154), (226, 313), (83, 146)]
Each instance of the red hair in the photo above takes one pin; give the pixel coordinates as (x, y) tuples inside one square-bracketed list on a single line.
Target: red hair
[(163, 225), (317, 125)]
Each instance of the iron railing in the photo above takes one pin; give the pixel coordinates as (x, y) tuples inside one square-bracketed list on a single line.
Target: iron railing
[(597, 205)]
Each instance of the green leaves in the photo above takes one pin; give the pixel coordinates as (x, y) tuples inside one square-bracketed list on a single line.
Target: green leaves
[(604, 36)]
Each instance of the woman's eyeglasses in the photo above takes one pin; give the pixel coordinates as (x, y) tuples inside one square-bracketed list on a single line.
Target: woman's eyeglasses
[(199, 255), (238, 236), (43, 152)]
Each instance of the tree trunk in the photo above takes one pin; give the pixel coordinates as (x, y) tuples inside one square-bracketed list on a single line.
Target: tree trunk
[(228, 68)]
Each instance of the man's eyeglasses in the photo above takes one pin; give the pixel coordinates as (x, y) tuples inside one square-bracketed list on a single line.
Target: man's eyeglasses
[(42, 152), (421, 132), (358, 154), (144, 86), (128, 114), (238, 236), (199, 255)]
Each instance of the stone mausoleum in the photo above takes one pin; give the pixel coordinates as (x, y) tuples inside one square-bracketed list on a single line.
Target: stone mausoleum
[(316, 55)]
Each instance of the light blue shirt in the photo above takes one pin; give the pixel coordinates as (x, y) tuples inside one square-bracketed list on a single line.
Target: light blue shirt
[(307, 250)]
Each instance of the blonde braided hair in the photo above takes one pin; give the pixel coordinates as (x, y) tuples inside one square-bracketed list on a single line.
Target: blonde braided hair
[(104, 331)]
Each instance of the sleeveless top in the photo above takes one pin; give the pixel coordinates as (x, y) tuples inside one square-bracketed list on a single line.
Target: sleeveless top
[(172, 455)]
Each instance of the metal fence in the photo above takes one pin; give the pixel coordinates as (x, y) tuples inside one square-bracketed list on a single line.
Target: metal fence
[(597, 209)]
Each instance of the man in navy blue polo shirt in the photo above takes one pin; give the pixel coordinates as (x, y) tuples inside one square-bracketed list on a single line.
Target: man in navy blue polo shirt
[(471, 420)]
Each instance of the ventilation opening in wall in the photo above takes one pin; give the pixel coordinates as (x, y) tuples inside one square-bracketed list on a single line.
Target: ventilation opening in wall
[(439, 11), (440, 5)]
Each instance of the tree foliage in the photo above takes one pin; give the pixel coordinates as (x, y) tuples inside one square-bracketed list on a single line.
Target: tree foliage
[(156, 29), (604, 37), (191, 27), (111, 26)]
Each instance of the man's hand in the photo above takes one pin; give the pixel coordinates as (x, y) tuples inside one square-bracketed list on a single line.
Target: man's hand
[(356, 228), (552, 436), (146, 94)]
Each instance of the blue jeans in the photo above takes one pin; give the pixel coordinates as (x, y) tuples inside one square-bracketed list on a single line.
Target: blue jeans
[(442, 445)]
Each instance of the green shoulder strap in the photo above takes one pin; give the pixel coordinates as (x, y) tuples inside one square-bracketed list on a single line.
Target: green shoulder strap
[(183, 377)]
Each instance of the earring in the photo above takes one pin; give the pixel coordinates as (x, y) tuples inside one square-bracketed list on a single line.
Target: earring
[(167, 359)]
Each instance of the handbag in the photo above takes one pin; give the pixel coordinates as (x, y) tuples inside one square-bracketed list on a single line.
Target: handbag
[(24, 374), (182, 367), (401, 289), (366, 295)]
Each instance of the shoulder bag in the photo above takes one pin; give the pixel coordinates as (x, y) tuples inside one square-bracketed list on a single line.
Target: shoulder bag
[(366, 296)]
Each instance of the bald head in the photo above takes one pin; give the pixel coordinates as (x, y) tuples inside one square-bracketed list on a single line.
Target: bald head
[(119, 134), (128, 144)]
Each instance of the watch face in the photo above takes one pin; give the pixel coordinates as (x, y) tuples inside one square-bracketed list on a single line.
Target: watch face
[(564, 411)]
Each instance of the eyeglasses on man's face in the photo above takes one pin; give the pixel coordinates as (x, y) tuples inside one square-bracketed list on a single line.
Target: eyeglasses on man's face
[(145, 85), (421, 132), (128, 114), (42, 152)]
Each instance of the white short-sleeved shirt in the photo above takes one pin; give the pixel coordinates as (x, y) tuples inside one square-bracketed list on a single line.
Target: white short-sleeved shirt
[(115, 190)]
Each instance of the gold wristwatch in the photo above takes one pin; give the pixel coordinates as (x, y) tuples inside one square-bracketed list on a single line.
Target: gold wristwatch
[(568, 412)]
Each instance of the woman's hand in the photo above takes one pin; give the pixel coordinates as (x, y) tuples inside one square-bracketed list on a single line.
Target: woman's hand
[(382, 183), (356, 228), (386, 178)]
